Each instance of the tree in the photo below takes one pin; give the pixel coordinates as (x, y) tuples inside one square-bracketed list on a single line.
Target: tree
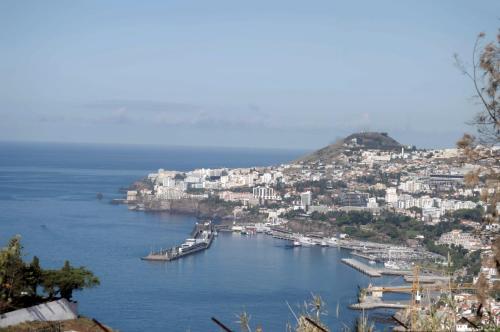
[(33, 275), (68, 279), (485, 76), (12, 281), (72, 279), (19, 281)]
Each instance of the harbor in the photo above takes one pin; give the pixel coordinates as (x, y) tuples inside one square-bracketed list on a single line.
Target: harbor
[(201, 239)]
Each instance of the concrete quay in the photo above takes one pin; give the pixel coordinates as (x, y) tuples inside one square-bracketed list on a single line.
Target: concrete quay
[(368, 270), (373, 271), (380, 304), (202, 238)]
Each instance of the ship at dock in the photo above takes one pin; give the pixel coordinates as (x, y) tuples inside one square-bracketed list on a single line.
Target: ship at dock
[(201, 239)]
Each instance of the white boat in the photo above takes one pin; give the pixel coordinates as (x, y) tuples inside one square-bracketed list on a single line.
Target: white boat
[(372, 262), (237, 229), (391, 265), (306, 241), (332, 242), (324, 243), (296, 243)]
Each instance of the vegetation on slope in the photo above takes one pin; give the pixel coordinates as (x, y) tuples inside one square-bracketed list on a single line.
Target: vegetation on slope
[(20, 282)]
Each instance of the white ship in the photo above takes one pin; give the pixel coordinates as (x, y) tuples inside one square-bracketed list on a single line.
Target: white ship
[(390, 264), (332, 242), (306, 241)]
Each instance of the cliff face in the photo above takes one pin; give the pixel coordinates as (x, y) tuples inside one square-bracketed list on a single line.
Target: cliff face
[(199, 208)]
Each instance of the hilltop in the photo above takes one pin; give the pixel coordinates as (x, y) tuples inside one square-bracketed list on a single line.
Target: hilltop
[(356, 141)]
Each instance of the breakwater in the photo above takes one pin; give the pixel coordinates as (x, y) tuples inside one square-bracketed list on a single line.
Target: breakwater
[(201, 239), (373, 271)]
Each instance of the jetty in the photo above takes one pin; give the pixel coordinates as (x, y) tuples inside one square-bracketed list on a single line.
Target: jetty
[(428, 279), (201, 238), (368, 270), (369, 305), (282, 234), (373, 271)]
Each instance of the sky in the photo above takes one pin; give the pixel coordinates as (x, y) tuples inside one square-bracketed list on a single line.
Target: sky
[(278, 74)]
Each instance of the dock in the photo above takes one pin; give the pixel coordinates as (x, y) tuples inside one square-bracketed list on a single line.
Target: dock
[(374, 271), (368, 270), (365, 256), (380, 304), (202, 238), (428, 279)]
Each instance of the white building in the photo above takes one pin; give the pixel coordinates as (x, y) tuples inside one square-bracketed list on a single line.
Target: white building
[(412, 186), (305, 199), (391, 196), (459, 238), (264, 193), (372, 203), (132, 195), (431, 214), (169, 193)]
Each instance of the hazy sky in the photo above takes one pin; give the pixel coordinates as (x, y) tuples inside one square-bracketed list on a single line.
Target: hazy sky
[(293, 74)]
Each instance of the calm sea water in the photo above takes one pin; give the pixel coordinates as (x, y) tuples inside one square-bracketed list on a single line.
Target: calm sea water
[(48, 196)]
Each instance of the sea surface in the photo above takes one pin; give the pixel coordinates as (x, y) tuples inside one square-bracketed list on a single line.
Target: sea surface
[(48, 196)]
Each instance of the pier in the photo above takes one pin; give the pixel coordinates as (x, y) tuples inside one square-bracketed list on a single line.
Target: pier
[(373, 271), (202, 238), (368, 305), (428, 279)]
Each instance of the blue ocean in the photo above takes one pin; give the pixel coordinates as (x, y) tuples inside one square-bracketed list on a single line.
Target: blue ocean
[(48, 196)]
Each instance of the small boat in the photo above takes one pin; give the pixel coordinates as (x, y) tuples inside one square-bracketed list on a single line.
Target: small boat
[(237, 229), (306, 241), (296, 243), (391, 265), (372, 262), (332, 242)]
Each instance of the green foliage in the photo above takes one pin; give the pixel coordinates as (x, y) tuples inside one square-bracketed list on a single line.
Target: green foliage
[(68, 279), (470, 214), (13, 283), (416, 209), (459, 257), (367, 179), (319, 216), (351, 218), (19, 280), (320, 187), (292, 214), (215, 201), (376, 192), (195, 191), (180, 176)]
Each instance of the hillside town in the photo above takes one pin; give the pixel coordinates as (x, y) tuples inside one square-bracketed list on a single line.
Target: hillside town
[(366, 187)]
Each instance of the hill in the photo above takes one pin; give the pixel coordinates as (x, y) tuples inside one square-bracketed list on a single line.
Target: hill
[(357, 141)]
